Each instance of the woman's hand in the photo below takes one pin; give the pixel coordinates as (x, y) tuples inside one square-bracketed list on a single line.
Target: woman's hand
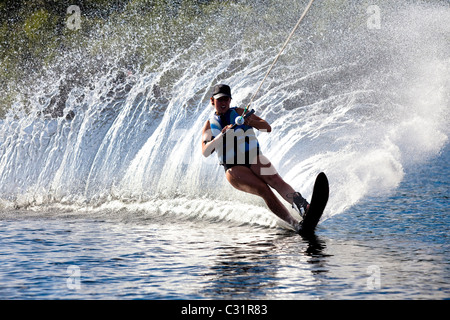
[(226, 128)]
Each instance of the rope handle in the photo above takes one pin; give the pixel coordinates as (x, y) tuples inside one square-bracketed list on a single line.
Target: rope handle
[(244, 116)]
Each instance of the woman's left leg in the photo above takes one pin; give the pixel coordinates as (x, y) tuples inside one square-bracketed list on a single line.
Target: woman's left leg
[(267, 172), (242, 178)]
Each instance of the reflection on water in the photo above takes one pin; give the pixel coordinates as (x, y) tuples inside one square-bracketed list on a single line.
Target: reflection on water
[(136, 259), (316, 245), (257, 269)]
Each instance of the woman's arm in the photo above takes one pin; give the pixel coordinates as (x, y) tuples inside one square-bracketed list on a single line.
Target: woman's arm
[(255, 121), (209, 144)]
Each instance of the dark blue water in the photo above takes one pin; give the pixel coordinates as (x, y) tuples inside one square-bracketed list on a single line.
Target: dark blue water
[(393, 247)]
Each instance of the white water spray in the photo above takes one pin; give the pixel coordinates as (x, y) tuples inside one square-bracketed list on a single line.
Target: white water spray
[(358, 104)]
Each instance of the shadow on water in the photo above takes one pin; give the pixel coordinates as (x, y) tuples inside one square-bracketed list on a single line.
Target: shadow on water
[(316, 245), (259, 269)]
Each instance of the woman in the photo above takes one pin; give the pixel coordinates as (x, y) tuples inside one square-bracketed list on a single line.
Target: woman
[(246, 168)]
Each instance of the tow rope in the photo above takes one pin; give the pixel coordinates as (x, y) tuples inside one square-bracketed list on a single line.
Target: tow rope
[(241, 118)]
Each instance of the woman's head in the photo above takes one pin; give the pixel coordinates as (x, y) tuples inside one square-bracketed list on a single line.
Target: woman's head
[(221, 98)]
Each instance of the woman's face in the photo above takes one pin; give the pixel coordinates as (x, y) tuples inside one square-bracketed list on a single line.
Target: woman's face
[(221, 105)]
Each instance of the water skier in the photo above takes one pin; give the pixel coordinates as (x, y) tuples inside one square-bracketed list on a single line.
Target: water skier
[(246, 168)]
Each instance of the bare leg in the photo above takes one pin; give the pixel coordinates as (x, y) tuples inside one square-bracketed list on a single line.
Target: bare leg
[(267, 172), (244, 179)]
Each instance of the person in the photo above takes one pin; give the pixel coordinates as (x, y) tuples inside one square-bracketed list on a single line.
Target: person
[(246, 168)]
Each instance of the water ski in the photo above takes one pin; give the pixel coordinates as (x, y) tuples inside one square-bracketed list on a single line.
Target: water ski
[(318, 202)]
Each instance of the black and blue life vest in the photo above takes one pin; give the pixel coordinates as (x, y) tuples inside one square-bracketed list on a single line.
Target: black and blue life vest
[(240, 146)]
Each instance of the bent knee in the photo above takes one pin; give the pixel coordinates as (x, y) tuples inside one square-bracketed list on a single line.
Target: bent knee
[(274, 180)]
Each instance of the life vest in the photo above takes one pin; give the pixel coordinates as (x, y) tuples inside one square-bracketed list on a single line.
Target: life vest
[(240, 146)]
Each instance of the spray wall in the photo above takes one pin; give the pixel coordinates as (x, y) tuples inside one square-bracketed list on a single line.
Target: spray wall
[(114, 121)]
